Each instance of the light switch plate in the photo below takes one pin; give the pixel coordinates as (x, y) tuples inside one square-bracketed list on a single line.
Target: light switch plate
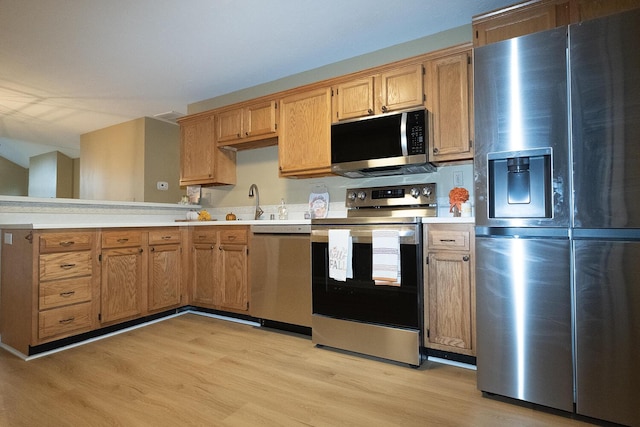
[(458, 181), (8, 238)]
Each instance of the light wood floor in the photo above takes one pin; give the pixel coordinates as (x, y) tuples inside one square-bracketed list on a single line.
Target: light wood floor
[(193, 370)]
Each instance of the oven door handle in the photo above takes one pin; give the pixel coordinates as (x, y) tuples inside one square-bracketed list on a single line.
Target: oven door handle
[(407, 236)]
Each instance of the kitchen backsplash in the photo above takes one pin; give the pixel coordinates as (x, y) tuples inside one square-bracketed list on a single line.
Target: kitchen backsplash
[(260, 166)]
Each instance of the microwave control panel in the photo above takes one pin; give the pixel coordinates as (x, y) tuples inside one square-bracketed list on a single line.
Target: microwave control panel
[(417, 127)]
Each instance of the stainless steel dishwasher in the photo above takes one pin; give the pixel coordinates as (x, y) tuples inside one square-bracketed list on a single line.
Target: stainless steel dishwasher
[(280, 273)]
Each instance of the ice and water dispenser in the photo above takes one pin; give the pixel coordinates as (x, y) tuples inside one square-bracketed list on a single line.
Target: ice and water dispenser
[(520, 184)]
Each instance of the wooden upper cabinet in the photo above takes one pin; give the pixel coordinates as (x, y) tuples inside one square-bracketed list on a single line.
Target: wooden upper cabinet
[(229, 125), (518, 20), (201, 162), (392, 90), (354, 98), (304, 147), (251, 126), (538, 15), (401, 88), (582, 10), (448, 81)]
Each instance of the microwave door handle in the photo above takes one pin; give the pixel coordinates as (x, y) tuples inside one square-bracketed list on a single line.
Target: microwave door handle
[(403, 134)]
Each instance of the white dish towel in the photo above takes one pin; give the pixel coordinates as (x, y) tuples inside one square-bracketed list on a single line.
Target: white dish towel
[(340, 262), (386, 257)]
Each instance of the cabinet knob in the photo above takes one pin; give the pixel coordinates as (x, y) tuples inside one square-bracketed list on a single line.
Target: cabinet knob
[(435, 151), (152, 249), (384, 108), (140, 250), (465, 258), (370, 111)]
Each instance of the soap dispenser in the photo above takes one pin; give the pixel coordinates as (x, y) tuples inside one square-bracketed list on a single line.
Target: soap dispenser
[(282, 210)]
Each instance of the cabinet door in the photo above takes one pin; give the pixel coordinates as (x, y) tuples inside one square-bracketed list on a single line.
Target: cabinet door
[(201, 162), (527, 18), (448, 100), (354, 99), (232, 290), (582, 10), (260, 119), (205, 273), (450, 302), (123, 288), (196, 157), (229, 125), (401, 88), (304, 148), (165, 273)]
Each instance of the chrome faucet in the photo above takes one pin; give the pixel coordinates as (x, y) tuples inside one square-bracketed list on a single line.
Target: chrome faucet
[(259, 210)]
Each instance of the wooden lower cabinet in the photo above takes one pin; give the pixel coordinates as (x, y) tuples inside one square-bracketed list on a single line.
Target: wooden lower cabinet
[(166, 272), (123, 291), (220, 268), (50, 285), (60, 283), (450, 288)]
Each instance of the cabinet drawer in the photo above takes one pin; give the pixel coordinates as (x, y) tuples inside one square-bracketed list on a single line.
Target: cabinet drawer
[(65, 265), (65, 242), (121, 239), (204, 236), (65, 320), (233, 236), (448, 239), (159, 237), (64, 292)]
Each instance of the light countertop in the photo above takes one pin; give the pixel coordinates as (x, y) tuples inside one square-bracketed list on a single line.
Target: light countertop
[(137, 224)]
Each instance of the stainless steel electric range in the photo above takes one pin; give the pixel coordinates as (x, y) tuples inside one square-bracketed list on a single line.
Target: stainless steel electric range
[(361, 301)]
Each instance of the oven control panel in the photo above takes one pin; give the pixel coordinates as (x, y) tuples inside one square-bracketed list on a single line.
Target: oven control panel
[(400, 196)]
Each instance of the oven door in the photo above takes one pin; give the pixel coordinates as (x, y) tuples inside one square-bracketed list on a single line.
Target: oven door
[(360, 299)]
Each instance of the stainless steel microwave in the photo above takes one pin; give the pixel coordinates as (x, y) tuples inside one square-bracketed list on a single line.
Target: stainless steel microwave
[(387, 144)]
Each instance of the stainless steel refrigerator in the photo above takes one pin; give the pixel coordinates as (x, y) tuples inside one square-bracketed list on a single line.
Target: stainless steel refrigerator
[(557, 187)]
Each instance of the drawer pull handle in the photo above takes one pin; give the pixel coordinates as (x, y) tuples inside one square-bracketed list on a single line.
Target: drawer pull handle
[(123, 240), (67, 243), (66, 321), (67, 266), (447, 240), (166, 237), (67, 294), (232, 237)]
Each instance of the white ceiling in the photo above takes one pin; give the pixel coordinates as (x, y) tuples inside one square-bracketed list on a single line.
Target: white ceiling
[(68, 67)]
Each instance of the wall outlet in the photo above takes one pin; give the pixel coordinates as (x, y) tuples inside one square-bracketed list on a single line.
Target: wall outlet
[(8, 238), (162, 185), (458, 181)]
